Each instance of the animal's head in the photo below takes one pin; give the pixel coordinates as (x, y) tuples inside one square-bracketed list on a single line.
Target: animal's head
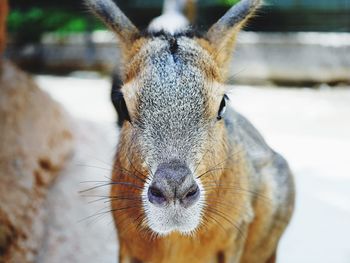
[(172, 104)]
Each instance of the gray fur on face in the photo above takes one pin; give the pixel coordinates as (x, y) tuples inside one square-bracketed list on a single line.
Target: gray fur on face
[(172, 102), (171, 122)]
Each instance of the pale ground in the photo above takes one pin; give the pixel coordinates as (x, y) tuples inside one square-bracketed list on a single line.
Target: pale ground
[(311, 128)]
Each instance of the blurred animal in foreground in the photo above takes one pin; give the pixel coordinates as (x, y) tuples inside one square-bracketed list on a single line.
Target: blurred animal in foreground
[(3, 16), (193, 180), (36, 142)]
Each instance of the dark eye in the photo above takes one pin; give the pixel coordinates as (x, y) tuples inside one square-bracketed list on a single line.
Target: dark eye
[(120, 107), (222, 108), (118, 99)]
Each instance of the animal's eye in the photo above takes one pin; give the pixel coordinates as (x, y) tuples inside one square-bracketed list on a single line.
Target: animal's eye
[(120, 107), (222, 108)]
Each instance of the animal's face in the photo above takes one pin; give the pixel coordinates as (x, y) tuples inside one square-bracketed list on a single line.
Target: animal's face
[(175, 103), (173, 99)]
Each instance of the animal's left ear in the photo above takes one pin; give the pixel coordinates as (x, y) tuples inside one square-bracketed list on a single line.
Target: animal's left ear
[(222, 35)]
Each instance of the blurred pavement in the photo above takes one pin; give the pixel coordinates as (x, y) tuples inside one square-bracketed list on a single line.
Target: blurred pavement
[(311, 128)]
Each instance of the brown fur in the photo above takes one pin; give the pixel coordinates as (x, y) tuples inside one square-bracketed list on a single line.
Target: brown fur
[(133, 65)]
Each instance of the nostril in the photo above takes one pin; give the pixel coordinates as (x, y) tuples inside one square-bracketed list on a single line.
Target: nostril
[(191, 197), (192, 192), (156, 192), (155, 196)]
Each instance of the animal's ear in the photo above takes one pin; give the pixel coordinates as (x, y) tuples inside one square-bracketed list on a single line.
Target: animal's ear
[(115, 19), (222, 34)]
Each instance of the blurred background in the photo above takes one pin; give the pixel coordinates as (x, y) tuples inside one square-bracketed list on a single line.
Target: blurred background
[(61, 37), (290, 77)]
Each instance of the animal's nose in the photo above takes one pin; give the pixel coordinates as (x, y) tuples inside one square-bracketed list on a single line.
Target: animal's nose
[(173, 182)]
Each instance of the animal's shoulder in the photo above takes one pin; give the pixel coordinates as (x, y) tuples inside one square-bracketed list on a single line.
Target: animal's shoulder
[(269, 166)]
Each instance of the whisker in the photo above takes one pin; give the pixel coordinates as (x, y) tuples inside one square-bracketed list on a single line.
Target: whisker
[(217, 222), (113, 183), (142, 179), (231, 78), (216, 165), (97, 213), (237, 208), (101, 161), (132, 165), (97, 200), (224, 216), (229, 157), (201, 160), (139, 220), (110, 170), (112, 199), (231, 187), (212, 170), (145, 178), (94, 166), (89, 182), (102, 214), (123, 199), (239, 191)]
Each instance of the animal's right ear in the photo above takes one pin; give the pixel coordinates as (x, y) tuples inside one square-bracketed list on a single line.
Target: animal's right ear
[(115, 19)]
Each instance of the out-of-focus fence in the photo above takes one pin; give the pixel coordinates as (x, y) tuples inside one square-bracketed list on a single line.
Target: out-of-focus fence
[(284, 58), (288, 57)]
